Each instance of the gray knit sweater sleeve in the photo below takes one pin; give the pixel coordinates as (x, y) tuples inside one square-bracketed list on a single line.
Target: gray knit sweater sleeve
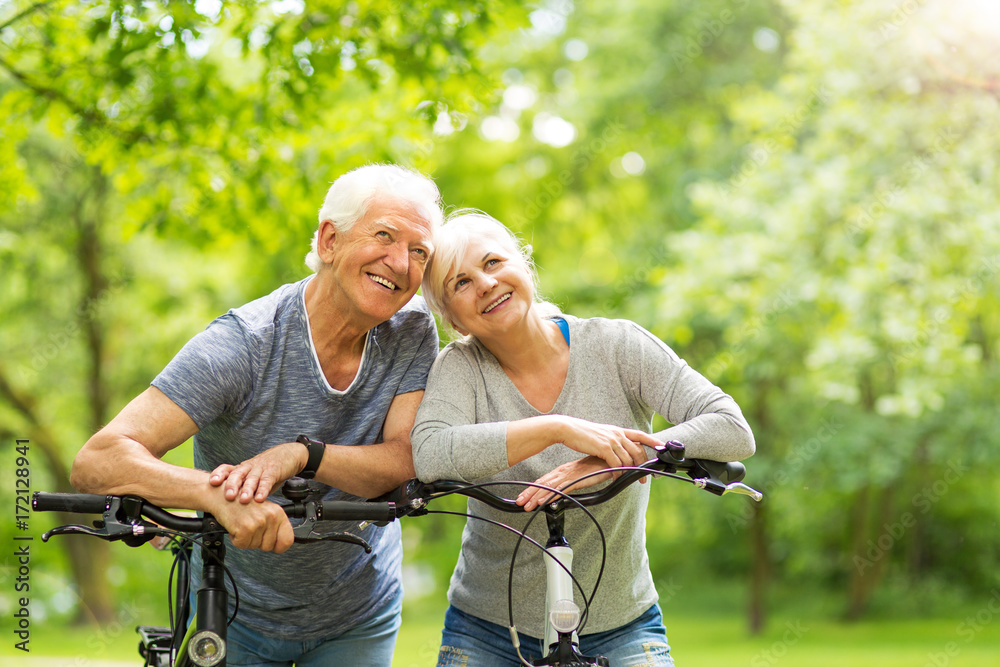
[(706, 419), (448, 440)]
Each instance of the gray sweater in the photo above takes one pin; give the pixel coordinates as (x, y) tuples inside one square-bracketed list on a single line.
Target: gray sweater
[(619, 374)]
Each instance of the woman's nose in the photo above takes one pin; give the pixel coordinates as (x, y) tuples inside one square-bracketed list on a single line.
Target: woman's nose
[(486, 283)]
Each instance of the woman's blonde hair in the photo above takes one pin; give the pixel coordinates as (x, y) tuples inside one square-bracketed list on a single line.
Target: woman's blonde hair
[(452, 240)]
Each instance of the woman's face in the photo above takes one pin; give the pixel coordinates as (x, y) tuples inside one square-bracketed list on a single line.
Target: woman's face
[(490, 290)]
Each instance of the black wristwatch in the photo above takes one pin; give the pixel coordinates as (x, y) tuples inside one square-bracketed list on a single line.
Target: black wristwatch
[(316, 449)]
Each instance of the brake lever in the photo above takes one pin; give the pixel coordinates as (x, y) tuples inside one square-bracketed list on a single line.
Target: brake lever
[(110, 529), (305, 534), (334, 537), (744, 490)]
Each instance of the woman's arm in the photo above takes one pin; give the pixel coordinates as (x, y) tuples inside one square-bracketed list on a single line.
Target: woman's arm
[(707, 420), (448, 443)]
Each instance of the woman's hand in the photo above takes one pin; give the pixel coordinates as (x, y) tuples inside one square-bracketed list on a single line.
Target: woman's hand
[(254, 478), (565, 474), (614, 445)]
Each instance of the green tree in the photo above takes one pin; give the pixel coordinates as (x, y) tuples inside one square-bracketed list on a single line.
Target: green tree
[(217, 125)]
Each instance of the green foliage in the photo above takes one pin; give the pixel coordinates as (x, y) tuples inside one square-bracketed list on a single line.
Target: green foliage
[(800, 198)]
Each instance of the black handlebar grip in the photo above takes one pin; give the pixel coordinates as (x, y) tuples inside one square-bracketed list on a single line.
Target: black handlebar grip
[(345, 510), (725, 472), (82, 503)]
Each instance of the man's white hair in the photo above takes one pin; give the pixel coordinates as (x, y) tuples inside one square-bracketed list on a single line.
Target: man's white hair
[(349, 198)]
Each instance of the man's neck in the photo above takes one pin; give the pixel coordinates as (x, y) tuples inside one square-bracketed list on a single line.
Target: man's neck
[(339, 342)]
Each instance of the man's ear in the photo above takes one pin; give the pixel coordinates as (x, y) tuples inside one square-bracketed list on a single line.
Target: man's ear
[(326, 240)]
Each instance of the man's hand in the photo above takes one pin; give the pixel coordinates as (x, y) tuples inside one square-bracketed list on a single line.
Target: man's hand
[(254, 478), (556, 478), (261, 526)]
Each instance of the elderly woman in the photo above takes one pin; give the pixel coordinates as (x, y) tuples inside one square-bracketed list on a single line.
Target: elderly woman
[(530, 394)]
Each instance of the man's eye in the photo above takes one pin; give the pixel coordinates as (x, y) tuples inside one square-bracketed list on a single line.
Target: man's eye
[(420, 252), (382, 234)]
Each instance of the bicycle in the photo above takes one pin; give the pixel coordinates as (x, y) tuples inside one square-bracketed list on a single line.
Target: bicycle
[(203, 641), (135, 521), (560, 645)]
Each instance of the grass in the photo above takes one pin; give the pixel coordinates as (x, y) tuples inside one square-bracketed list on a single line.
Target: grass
[(700, 638)]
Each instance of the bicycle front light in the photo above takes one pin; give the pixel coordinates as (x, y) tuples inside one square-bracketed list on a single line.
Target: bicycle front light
[(564, 616), (206, 649)]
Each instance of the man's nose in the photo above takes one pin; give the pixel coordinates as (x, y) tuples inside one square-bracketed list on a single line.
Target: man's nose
[(398, 259)]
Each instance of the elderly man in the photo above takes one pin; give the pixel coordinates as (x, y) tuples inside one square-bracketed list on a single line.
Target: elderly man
[(341, 357)]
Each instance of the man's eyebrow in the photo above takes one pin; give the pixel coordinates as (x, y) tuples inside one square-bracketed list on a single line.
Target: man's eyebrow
[(385, 223)]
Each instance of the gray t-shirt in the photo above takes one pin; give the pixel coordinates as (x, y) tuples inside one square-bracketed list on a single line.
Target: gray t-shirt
[(252, 380), (619, 374)]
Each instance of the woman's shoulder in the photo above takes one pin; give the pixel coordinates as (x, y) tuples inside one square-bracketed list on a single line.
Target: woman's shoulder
[(603, 327)]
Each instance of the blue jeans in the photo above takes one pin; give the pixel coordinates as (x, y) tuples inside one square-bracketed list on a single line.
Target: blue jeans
[(468, 641), (368, 645)]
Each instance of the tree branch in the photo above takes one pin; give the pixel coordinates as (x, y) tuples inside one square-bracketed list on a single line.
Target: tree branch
[(33, 8), (89, 115)]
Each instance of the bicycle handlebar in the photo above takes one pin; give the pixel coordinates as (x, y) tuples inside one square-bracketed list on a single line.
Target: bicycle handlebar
[(716, 477), (123, 514), (124, 517)]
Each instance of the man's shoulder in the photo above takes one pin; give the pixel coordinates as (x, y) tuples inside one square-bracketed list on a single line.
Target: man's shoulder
[(263, 313)]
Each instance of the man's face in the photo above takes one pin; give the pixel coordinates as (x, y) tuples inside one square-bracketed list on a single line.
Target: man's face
[(379, 263)]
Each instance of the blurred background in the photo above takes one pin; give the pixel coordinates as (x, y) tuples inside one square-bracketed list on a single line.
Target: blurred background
[(801, 198)]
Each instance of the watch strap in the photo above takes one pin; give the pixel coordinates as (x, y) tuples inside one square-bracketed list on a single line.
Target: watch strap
[(316, 449)]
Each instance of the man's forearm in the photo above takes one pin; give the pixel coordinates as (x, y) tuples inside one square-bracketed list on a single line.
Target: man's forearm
[(123, 466), (367, 471)]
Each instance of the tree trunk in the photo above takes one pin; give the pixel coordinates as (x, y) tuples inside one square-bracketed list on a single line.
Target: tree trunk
[(871, 549), (90, 558)]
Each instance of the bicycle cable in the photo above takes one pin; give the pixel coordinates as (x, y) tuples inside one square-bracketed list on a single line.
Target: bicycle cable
[(197, 538), (523, 536)]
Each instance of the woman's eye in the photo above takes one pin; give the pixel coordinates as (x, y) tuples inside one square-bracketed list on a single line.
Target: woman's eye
[(460, 283), (492, 262)]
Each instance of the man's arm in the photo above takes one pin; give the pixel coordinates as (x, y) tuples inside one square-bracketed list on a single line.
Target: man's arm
[(366, 470), (124, 457)]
